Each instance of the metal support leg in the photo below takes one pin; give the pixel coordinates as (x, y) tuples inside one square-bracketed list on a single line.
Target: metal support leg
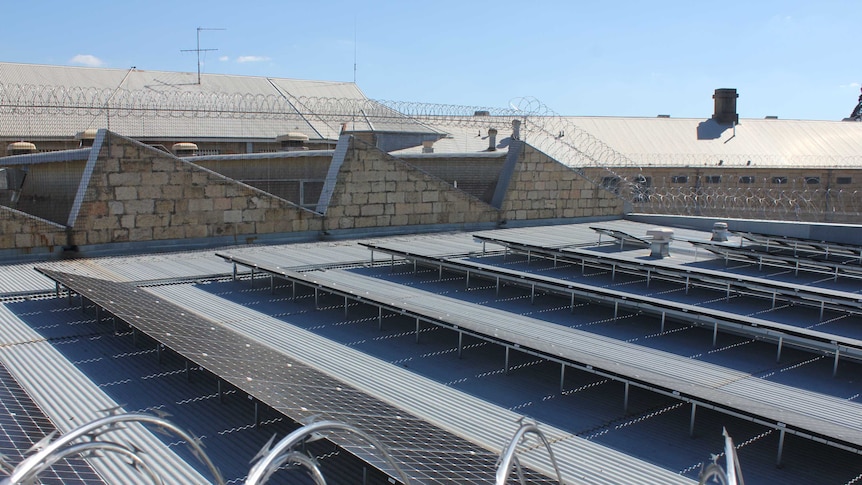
[(271, 284), (691, 423), (780, 344), (188, 374), (626, 399), (256, 414), (220, 391), (234, 272), (532, 293), (316, 298), (98, 314), (714, 333), (417, 330), (780, 447), (380, 318), (663, 314), (507, 361), (293, 290), (562, 377), (835, 366), (345, 306), (616, 309), (498, 287), (467, 286), (135, 337), (251, 281), (460, 343), (159, 353)]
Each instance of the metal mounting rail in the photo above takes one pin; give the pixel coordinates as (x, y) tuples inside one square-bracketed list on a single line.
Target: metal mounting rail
[(739, 285), (621, 236), (813, 247), (762, 258), (717, 320), (545, 347)]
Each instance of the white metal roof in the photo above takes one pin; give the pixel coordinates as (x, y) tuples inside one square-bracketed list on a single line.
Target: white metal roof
[(698, 142)]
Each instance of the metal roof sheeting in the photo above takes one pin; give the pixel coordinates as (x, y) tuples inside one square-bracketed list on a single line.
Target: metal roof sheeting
[(766, 142)]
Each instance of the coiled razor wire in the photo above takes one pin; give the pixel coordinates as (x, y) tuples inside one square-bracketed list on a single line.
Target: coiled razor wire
[(556, 136)]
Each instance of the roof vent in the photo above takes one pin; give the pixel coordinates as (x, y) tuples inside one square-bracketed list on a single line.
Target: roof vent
[(660, 242), (719, 232), (663, 116), (293, 141), (20, 148), (86, 137), (185, 149), (771, 117), (516, 129), (492, 139), (428, 146), (725, 106), (482, 112)]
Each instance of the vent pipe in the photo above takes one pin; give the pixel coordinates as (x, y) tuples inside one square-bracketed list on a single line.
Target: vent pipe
[(492, 139), (516, 129), (428, 146)]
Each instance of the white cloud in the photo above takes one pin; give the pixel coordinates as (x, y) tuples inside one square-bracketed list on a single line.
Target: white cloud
[(224, 58), (252, 59), (87, 60), (851, 85)]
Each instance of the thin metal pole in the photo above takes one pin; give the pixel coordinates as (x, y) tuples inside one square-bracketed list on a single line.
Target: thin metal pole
[(562, 376), (460, 343), (417, 330), (835, 366), (691, 424), (626, 399), (780, 344), (780, 447), (507, 360)]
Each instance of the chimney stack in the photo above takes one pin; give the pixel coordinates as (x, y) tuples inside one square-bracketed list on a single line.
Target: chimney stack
[(492, 139), (725, 106), (428, 146)]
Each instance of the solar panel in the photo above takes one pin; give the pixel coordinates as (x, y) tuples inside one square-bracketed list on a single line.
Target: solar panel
[(289, 386), (22, 424)]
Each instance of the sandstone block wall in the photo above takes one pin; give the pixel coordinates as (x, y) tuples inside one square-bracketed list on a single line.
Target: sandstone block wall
[(543, 188), (24, 232), (138, 193), (375, 189)]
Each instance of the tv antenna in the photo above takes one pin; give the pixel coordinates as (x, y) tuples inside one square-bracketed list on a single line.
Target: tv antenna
[(199, 50)]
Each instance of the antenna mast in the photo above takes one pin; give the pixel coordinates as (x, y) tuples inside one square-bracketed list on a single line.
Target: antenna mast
[(199, 50)]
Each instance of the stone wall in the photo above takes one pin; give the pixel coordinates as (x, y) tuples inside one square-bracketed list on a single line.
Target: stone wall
[(375, 189), (543, 188), (23, 232), (137, 193)]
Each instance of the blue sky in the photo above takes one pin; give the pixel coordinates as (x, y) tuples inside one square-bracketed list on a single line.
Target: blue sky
[(792, 58)]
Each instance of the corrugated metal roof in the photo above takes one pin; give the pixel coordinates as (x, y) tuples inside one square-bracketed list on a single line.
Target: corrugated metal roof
[(246, 107), (766, 142)]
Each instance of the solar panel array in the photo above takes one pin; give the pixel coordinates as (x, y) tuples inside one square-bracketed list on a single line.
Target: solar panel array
[(22, 424), (424, 451)]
